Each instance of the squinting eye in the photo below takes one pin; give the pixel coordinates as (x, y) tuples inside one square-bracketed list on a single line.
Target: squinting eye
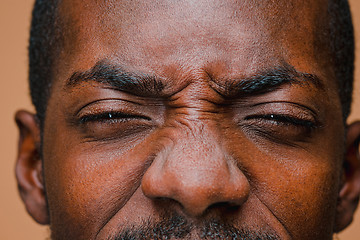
[(110, 117), (284, 120), (112, 125), (281, 128)]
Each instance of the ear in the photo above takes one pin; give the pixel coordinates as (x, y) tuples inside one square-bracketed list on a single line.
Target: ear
[(29, 167), (350, 190)]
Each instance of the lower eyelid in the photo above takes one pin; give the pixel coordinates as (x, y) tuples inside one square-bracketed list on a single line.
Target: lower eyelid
[(287, 134)]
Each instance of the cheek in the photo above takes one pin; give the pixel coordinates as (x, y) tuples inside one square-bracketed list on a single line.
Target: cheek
[(87, 183), (302, 195), (298, 184)]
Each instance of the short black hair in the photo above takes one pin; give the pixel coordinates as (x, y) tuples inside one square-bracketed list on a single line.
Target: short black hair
[(342, 47), (45, 44)]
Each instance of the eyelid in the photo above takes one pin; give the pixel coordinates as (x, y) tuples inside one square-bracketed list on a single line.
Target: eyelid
[(97, 111), (286, 119), (289, 130), (110, 116), (108, 102), (283, 110), (281, 121), (286, 104)]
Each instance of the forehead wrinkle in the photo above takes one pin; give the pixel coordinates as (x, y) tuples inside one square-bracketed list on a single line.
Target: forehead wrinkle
[(115, 16)]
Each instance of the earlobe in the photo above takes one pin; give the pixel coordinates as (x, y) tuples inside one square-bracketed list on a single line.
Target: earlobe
[(350, 190), (29, 167)]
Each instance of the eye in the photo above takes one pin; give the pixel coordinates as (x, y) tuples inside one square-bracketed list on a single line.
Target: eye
[(110, 117), (112, 120), (282, 128), (110, 125), (284, 120)]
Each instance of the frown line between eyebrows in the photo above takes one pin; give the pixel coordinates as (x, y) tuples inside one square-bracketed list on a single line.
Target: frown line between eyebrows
[(144, 85)]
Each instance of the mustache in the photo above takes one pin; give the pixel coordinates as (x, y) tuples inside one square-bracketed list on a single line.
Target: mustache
[(177, 227)]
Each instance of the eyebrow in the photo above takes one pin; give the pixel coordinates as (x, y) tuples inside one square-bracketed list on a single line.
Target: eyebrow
[(116, 77), (266, 81), (146, 85)]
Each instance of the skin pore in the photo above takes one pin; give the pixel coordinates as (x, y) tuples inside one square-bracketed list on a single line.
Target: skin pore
[(191, 119)]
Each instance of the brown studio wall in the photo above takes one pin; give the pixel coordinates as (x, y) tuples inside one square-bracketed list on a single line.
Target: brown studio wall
[(14, 21)]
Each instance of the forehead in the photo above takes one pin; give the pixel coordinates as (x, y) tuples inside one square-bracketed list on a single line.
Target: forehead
[(234, 37)]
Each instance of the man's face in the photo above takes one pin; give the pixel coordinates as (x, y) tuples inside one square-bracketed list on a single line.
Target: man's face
[(191, 119)]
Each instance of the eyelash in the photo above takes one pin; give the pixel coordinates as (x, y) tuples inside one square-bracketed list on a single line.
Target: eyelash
[(277, 118), (287, 129), (280, 119), (110, 117)]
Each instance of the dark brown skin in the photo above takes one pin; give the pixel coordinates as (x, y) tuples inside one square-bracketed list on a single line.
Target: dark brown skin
[(266, 162)]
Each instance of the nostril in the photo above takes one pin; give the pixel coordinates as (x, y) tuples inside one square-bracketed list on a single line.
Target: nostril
[(224, 207)]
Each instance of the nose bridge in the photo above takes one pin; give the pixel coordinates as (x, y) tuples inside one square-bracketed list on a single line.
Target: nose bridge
[(197, 154), (196, 172)]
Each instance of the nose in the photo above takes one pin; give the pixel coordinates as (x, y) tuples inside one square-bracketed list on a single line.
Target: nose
[(196, 172)]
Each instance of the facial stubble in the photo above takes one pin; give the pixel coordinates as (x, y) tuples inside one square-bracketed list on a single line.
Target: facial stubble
[(178, 227)]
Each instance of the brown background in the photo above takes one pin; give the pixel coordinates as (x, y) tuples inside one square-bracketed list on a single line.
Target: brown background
[(14, 22)]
